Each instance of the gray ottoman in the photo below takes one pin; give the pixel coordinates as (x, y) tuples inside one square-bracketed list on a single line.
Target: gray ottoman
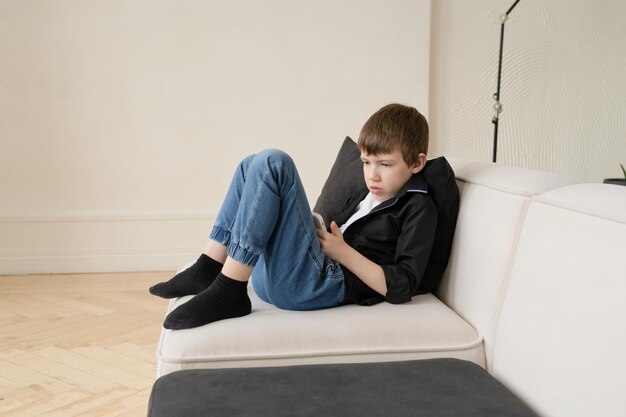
[(434, 387)]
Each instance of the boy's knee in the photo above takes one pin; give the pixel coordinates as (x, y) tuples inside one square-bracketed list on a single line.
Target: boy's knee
[(268, 157), (245, 163), (275, 158)]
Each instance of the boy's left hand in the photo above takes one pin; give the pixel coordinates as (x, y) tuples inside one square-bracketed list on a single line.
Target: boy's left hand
[(332, 243)]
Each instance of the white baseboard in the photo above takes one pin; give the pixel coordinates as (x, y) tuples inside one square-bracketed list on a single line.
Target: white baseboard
[(103, 242)]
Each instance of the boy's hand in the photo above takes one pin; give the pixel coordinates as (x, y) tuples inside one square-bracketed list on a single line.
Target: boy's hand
[(332, 243)]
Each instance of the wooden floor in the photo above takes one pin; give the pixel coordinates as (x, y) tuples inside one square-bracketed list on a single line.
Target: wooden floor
[(78, 345)]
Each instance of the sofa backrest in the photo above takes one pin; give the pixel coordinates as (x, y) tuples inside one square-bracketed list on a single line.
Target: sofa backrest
[(561, 338), (494, 200)]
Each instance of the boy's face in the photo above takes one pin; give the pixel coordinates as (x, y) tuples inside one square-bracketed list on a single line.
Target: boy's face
[(385, 174)]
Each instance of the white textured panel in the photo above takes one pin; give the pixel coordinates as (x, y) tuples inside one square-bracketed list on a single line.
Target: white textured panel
[(563, 84)]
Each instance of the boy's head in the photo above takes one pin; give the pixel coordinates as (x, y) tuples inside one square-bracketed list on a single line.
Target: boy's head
[(393, 144), (395, 127)]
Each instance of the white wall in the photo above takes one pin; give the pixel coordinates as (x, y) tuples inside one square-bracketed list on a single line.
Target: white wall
[(563, 86), (121, 121)]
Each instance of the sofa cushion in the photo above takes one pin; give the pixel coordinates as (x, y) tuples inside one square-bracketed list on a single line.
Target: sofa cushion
[(437, 388), (444, 191), (422, 328), (345, 179), (494, 200), (561, 341)]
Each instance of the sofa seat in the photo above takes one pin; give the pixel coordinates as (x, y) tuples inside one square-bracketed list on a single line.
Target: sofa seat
[(423, 328)]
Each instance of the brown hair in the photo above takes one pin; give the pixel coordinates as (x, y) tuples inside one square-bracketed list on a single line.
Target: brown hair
[(395, 126)]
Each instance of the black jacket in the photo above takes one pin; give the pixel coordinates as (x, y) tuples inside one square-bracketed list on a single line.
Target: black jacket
[(397, 235)]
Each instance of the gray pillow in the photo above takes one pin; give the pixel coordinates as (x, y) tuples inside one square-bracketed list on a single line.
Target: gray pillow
[(345, 179)]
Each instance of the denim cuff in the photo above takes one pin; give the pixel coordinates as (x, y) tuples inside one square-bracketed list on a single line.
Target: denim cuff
[(241, 254), (220, 235)]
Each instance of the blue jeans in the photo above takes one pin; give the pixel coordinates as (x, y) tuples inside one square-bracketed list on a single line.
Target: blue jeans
[(265, 222)]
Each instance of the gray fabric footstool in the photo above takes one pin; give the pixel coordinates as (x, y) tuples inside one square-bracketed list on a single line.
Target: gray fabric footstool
[(434, 387)]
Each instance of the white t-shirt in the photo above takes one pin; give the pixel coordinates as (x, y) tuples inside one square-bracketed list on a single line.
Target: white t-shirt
[(364, 207)]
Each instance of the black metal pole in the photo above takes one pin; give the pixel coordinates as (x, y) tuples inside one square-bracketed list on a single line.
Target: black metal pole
[(497, 107)]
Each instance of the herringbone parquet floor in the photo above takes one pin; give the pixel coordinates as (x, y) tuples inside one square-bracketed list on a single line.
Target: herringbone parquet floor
[(78, 345)]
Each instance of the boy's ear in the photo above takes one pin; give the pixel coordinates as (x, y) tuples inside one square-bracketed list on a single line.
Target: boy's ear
[(420, 164)]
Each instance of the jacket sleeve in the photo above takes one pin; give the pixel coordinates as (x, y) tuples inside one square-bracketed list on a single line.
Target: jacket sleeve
[(413, 249)]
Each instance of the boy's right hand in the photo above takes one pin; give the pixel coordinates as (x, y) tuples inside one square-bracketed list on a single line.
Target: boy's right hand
[(333, 244)]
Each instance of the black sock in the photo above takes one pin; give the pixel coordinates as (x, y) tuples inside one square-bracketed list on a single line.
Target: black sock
[(226, 298), (193, 280)]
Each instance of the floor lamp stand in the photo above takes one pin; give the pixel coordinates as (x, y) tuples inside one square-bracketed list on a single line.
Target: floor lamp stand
[(497, 106)]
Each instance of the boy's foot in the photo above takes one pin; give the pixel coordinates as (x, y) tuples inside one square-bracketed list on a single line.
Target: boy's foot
[(193, 280), (226, 298)]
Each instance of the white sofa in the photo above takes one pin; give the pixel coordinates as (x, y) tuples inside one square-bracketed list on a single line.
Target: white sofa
[(535, 293)]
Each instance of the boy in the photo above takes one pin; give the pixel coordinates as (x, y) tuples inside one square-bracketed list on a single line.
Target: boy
[(376, 249)]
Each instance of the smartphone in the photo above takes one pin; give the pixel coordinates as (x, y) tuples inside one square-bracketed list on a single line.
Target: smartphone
[(318, 220)]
